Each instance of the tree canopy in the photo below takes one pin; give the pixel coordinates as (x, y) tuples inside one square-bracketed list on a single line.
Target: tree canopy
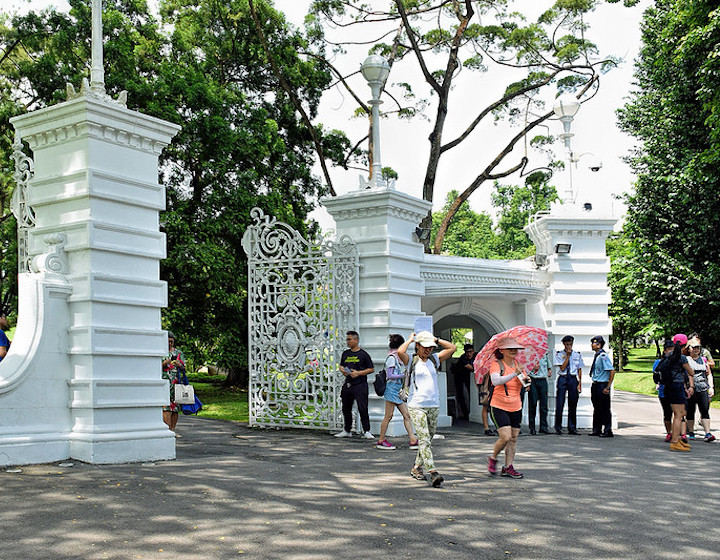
[(440, 39), (674, 214), (472, 234), (243, 141)]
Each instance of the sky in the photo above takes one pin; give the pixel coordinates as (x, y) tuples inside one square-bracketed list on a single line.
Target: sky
[(405, 147)]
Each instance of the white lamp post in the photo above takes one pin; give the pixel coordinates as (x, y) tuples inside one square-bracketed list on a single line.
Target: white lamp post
[(375, 69), (566, 107)]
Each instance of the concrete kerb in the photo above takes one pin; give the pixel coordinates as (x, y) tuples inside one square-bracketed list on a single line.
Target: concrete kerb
[(304, 494)]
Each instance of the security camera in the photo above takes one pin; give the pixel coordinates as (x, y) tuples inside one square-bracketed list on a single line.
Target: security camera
[(595, 165)]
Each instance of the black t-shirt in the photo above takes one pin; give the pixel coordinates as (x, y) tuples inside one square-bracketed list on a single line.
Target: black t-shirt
[(356, 361), (462, 361)]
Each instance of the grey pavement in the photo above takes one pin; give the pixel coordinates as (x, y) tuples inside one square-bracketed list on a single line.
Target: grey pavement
[(238, 492)]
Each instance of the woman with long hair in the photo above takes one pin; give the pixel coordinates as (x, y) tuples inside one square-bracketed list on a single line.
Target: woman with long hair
[(508, 380), (395, 371), (674, 370)]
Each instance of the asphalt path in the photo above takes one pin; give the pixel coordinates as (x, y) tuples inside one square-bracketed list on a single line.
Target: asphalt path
[(240, 492)]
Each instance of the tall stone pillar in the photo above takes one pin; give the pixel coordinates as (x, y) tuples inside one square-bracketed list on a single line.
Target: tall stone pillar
[(96, 182), (382, 223), (571, 243)]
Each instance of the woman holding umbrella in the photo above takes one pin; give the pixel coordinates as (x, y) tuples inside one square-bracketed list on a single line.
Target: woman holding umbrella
[(508, 380)]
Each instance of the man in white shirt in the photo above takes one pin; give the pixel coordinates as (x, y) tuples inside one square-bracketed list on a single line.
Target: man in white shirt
[(569, 363)]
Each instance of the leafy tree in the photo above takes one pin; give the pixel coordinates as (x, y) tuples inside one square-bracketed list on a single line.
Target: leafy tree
[(628, 321), (243, 142), (516, 204), (674, 214), (441, 39), (472, 234)]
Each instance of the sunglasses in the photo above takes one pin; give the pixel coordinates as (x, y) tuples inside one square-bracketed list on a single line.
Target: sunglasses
[(696, 347)]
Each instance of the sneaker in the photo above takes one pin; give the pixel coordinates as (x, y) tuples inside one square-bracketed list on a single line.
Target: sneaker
[(511, 472), (414, 444), (684, 444), (344, 433), (709, 437), (691, 435), (684, 438), (490, 432), (436, 479), (417, 472), (386, 445), (368, 435), (679, 447), (668, 438), (492, 465)]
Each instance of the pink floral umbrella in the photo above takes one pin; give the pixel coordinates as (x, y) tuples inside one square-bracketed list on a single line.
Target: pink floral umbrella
[(534, 340)]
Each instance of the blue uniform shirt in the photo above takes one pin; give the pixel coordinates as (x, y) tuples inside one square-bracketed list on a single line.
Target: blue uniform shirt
[(601, 369), (4, 341)]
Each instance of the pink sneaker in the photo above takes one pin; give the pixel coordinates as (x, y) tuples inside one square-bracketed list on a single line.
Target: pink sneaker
[(385, 444), (668, 438), (414, 444), (511, 472), (492, 465)]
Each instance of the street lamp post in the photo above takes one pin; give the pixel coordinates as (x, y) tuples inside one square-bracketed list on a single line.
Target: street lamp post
[(375, 69), (566, 107)]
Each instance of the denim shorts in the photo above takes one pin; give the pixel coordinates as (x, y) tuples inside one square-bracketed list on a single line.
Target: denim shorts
[(675, 393), (392, 391)]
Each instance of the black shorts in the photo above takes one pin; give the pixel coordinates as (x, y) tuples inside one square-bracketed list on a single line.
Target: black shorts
[(504, 418)]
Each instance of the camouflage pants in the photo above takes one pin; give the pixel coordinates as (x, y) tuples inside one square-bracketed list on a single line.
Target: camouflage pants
[(424, 423)]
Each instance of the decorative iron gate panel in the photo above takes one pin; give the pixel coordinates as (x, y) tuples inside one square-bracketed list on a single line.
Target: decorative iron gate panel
[(302, 298)]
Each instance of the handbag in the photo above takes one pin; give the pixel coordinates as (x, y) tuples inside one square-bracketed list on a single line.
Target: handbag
[(380, 383), (192, 408), (184, 392)]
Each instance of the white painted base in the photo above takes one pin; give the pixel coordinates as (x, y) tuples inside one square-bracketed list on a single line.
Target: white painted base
[(124, 447)]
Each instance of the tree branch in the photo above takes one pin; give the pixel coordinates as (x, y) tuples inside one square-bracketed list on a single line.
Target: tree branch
[(293, 97), (486, 175)]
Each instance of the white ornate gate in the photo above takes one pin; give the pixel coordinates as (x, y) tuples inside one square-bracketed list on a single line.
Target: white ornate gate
[(302, 298)]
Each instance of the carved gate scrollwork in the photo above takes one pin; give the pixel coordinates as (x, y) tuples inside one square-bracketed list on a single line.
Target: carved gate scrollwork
[(302, 298)]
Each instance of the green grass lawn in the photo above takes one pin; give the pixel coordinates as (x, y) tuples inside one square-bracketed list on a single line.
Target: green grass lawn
[(219, 402), (636, 376)]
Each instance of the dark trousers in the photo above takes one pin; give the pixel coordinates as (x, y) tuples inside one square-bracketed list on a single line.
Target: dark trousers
[(602, 416), (462, 384), (538, 394), (566, 384), (355, 393)]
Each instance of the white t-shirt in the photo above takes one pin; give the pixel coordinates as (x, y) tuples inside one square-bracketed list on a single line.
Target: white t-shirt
[(424, 385)]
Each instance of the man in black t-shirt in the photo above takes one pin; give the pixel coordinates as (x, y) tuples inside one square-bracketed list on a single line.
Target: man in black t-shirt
[(461, 370), (355, 365)]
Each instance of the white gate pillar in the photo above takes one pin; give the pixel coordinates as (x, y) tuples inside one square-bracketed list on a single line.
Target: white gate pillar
[(572, 243), (96, 181), (382, 223)]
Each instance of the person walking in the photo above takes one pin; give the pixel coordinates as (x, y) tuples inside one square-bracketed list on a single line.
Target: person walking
[(704, 390), (539, 394), (673, 369), (395, 371), (355, 365), (602, 374), (505, 405), (424, 398), (172, 365), (569, 383)]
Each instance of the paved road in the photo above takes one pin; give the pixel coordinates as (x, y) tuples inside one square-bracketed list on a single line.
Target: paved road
[(240, 492)]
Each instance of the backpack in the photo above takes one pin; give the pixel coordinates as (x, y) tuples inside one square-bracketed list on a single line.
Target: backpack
[(405, 391), (486, 388)]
